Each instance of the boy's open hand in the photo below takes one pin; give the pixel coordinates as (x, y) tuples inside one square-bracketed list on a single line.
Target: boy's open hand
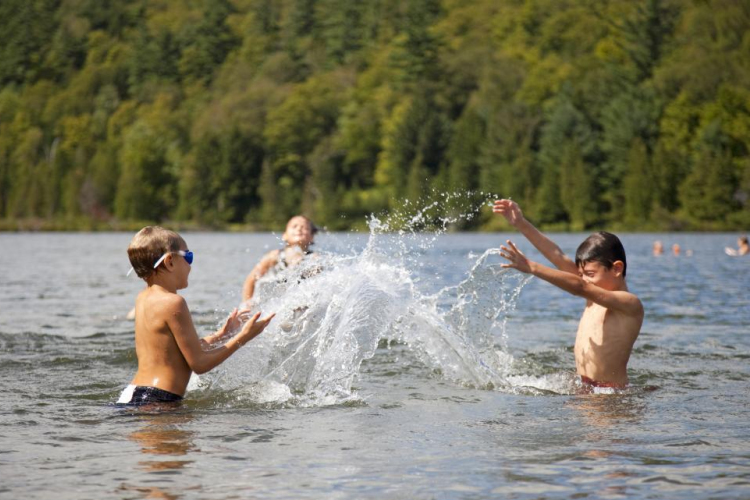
[(517, 259), (253, 327), (235, 320), (508, 209)]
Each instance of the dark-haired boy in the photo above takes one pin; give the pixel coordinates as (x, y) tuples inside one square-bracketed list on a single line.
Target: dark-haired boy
[(613, 316)]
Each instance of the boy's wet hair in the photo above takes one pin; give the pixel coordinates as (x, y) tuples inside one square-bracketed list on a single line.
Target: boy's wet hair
[(604, 248), (148, 245)]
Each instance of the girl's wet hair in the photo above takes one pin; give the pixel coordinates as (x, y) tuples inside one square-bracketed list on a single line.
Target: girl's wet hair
[(604, 248), (148, 245)]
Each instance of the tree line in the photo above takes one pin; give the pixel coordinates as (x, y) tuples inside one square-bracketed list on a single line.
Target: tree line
[(626, 114)]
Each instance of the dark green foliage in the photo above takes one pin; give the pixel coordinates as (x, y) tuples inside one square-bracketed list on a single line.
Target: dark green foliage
[(588, 113), (221, 178), (26, 30)]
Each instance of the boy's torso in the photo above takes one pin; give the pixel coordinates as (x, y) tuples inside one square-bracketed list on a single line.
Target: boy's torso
[(160, 361), (604, 341)]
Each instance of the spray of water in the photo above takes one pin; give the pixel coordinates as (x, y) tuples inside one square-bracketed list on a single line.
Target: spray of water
[(333, 310)]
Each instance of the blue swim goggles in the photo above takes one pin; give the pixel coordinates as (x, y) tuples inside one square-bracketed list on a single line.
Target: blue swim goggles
[(188, 255)]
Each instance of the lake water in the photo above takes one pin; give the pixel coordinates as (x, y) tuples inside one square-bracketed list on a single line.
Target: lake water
[(405, 366)]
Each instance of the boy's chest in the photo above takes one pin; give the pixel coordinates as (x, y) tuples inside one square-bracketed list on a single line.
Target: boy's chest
[(592, 322)]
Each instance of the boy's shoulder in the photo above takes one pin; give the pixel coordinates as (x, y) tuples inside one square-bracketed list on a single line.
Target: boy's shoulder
[(632, 304), (162, 301), (620, 302)]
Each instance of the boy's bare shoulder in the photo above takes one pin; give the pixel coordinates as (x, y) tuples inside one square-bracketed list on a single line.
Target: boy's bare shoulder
[(175, 305), (618, 301), (632, 304), (163, 302)]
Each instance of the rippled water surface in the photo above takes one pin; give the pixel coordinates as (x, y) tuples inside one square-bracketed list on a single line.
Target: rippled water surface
[(398, 366)]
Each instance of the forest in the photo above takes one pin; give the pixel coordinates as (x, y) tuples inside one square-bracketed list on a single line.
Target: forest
[(624, 114)]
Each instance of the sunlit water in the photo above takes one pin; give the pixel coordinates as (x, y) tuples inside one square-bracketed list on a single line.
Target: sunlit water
[(400, 365)]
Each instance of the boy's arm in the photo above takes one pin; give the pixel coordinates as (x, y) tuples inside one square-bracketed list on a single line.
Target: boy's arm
[(181, 325), (260, 269), (618, 300), (512, 213)]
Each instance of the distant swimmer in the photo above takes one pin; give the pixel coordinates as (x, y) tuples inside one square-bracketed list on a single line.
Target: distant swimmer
[(658, 248), (613, 316), (167, 345), (298, 237), (743, 248), (676, 250)]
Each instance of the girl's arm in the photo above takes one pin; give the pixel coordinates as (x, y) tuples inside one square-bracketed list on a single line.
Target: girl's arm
[(266, 263)]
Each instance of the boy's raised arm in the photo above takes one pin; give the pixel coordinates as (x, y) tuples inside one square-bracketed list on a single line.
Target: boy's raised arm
[(574, 284), (512, 213)]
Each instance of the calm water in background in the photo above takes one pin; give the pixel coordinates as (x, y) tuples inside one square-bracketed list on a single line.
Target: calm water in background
[(406, 430)]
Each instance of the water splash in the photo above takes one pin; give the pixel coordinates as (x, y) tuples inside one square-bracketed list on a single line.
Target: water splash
[(332, 312)]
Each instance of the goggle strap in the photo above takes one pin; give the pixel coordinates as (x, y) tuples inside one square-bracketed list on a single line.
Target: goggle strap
[(161, 259)]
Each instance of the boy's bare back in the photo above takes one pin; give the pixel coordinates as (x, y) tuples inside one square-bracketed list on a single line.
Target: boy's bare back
[(160, 361)]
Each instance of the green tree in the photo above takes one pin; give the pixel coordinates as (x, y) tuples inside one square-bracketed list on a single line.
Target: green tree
[(631, 116), (464, 150), (638, 186), (707, 194), (415, 138), (418, 46), (144, 190), (206, 45), (567, 155), (26, 29), (222, 176), (292, 132)]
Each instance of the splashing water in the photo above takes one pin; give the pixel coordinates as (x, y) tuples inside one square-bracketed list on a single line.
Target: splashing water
[(332, 312)]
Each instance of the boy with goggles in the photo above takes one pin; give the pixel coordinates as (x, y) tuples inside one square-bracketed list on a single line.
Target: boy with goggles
[(166, 343)]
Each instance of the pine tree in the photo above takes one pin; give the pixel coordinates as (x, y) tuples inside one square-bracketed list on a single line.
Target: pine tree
[(638, 186)]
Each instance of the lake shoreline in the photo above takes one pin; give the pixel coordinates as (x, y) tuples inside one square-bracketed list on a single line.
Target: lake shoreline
[(86, 225)]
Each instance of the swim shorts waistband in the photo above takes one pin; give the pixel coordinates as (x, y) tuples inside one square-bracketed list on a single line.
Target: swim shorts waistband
[(589, 381), (142, 395)]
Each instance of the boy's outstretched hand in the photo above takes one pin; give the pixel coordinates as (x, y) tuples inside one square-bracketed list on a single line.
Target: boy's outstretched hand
[(235, 320), (253, 327), (508, 209), (517, 259), (233, 323)]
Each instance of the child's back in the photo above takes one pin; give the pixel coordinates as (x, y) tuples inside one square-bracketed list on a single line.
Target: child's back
[(160, 360)]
